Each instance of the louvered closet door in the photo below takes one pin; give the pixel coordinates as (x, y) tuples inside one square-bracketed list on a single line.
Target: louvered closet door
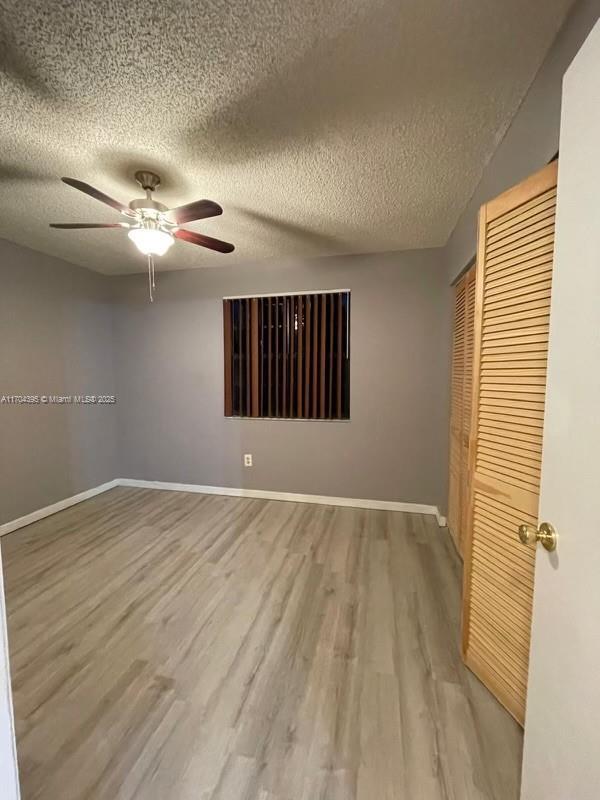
[(515, 251), (456, 413), (460, 408), (467, 401)]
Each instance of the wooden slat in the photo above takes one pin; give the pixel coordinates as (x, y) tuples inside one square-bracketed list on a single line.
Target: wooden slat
[(502, 592), (515, 246), (518, 410), (494, 428), (507, 422), (499, 581), (499, 573), (494, 550), (497, 544), (504, 444), (542, 248), (513, 361), (510, 334), (526, 287), (518, 341), (538, 205), (511, 664), (516, 238), (509, 634), (545, 211), (497, 557), (529, 193), (509, 604), (475, 660), (509, 276), (518, 312), (511, 468)]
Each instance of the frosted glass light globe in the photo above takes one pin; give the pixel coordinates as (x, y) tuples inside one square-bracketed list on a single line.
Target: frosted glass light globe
[(151, 241)]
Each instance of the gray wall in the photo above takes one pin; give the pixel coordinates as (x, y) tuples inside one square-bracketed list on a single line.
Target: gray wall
[(169, 361), (55, 338), (532, 139)]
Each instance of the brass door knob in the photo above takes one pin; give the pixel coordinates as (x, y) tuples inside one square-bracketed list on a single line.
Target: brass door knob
[(544, 534)]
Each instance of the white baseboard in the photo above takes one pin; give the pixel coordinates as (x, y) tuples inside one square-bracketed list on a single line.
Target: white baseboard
[(21, 522), (260, 494), (263, 494)]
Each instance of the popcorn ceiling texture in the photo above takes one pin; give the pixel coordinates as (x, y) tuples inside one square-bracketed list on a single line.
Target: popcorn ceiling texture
[(321, 127)]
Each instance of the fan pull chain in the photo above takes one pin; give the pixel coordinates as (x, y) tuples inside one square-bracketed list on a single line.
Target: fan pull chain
[(151, 277)]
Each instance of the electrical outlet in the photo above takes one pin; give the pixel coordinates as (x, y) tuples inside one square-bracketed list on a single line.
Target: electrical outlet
[(248, 459)]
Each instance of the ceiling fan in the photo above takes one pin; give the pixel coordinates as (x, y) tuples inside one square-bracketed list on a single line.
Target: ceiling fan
[(151, 226)]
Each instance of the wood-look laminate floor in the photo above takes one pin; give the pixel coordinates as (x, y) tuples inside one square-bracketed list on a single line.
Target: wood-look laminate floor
[(171, 646)]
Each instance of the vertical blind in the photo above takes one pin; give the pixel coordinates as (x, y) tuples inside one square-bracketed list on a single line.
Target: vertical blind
[(288, 356)]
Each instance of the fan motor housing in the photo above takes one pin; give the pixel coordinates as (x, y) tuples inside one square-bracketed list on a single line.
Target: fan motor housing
[(149, 181), (147, 204)]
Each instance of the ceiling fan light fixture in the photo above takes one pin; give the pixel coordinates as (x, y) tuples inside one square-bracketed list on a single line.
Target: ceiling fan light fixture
[(152, 227), (151, 241)]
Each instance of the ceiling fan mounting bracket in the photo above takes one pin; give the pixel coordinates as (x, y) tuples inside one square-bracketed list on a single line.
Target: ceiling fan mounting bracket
[(149, 181)]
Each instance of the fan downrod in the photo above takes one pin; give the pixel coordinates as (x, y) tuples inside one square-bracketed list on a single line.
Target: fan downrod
[(149, 181)]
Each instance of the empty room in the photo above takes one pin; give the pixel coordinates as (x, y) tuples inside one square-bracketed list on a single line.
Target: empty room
[(299, 313)]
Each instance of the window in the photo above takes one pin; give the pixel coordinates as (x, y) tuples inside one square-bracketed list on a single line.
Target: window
[(288, 356)]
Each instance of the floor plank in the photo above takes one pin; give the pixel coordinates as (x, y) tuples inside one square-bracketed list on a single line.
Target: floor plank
[(195, 647)]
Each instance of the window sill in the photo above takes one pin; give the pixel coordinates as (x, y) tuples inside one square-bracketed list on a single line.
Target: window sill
[(289, 419)]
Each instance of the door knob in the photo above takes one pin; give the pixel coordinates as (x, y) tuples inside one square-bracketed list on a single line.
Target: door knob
[(544, 534)]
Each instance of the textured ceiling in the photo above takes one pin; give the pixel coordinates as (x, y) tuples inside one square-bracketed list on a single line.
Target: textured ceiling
[(321, 127)]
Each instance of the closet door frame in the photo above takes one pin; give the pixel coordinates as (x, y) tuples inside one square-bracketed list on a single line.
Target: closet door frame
[(479, 292), (456, 416)]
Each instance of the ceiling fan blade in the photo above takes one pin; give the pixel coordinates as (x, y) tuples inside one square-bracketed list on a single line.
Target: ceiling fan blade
[(67, 225), (203, 241), (98, 195), (199, 209)]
